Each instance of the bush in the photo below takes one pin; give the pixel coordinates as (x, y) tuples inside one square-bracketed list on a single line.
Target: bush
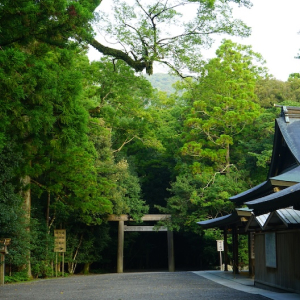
[(17, 277), (41, 269)]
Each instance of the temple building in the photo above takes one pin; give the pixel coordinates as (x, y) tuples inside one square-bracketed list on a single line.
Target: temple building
[(271, 213)]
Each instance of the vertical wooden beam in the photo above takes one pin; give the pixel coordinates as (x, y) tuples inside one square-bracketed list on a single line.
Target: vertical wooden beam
[(171, 261), (250, 254), (225, 250), (120, 247), (235, 250), (2, 268)]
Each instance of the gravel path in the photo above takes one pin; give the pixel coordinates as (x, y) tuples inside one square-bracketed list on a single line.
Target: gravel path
[(126, 286)]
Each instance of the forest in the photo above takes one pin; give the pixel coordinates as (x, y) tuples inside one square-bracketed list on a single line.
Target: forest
[(81, 140)]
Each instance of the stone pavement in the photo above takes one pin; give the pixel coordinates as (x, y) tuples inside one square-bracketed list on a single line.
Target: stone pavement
[(126, 286), (140, 286), (244, 283)]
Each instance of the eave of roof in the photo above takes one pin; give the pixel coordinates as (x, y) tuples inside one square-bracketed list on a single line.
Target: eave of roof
[(263, 188), (290, 196), (225, 221), (287, 178)]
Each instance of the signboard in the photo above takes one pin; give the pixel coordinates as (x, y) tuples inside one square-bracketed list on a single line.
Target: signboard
[(3, 245), (220, 245), (60, 240)]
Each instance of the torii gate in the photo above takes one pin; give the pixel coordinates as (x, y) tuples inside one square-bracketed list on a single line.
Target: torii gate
[(123, 228)]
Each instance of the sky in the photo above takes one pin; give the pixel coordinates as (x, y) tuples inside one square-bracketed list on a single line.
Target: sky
[(275, 35)]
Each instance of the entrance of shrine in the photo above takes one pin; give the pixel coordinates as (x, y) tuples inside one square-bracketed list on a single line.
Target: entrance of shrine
[(123, 228)]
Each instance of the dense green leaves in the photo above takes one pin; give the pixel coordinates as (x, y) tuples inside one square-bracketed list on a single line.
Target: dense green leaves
[(53, 22), (222, 107), (94, 139)]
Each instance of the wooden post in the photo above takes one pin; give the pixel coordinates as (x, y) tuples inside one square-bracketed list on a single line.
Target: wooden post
[(56, 264), (235, 250), (250, 254), (2, 268), (120, 247), (225, 250), (63, 264), (171, 260)]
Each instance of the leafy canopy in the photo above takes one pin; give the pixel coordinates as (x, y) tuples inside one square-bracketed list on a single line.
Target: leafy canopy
[(144, 32)]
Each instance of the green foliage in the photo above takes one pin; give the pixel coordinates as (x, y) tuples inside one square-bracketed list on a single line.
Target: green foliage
[(17, 277), (194, 199), (146, 31), (271, 91), (85, 244), (225, 105), (96, 138), (221, 107), (48, 21), (12, 223)]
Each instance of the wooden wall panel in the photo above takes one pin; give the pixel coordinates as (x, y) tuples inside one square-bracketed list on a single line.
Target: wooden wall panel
[(287, 273), (260, 262)]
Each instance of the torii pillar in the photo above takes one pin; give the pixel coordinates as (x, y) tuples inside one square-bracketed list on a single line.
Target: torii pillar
[(120, 247), (122, 228)]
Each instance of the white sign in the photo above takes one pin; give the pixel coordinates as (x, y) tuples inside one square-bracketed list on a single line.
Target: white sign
[(220, 245)]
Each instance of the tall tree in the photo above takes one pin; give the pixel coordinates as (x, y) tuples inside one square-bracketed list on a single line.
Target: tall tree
[(222, 104)]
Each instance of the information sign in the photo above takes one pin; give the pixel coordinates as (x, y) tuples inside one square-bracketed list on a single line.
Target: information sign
[(220, 245), (60, 240)]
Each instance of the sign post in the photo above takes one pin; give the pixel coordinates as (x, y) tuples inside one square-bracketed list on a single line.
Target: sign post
[(220, 248), (3, 250), (60, 246)]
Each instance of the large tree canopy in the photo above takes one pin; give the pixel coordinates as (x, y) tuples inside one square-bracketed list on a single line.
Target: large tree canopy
[(222, 107), (168, 32), (94, 138), (141, 32)]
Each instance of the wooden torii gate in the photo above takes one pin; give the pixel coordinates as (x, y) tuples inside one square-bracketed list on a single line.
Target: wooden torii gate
[(122, 228)]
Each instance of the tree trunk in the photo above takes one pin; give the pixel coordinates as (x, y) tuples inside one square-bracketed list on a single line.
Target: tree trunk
[(86, 268), (72, 265), (48, 210), (26, 194), (227, 158)]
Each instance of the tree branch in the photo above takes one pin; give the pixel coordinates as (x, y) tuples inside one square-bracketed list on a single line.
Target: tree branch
[(137, 65), (126, 142), (175, 70)]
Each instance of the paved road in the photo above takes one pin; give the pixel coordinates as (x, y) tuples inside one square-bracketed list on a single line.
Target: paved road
[(127, 286)]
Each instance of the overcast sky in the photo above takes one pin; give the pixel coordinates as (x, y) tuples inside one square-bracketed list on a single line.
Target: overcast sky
[(275, 25), (275, 34)]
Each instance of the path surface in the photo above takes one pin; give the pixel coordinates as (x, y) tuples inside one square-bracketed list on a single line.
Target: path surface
[(126, 286)]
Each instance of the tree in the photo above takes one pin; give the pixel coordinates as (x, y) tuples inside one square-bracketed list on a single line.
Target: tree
[(50, 22), (35, 34), (140, 29), (271, 91), (222, 105), (155, 31), (120, 97), (12, 222)]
